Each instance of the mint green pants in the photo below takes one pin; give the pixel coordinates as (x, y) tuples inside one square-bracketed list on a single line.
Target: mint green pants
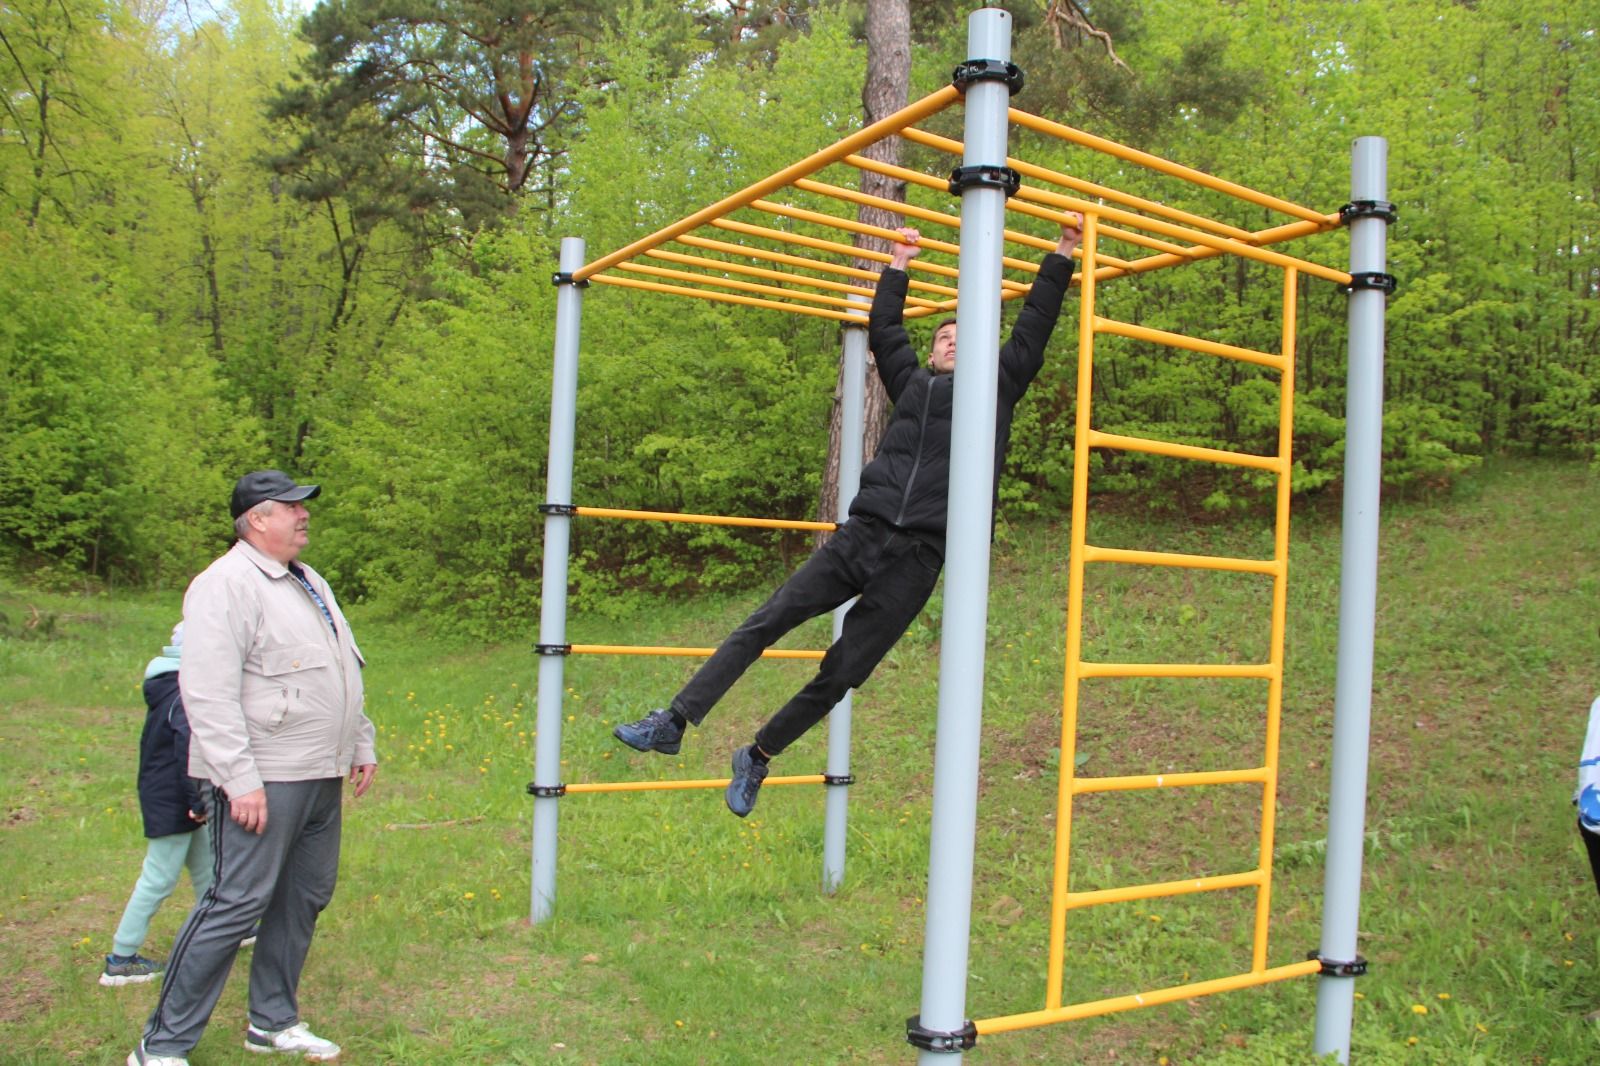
[(164, 861)]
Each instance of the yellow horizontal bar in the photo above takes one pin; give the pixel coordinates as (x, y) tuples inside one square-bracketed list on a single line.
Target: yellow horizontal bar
[(702, 519), (821, 245), (916, 177), (1263, 670), (687, 653), (943, 218), (847, 250), (731, 298), (1055, 177), (1165, 166), (1093, 554), (1205, 240), (1261, 237), (1193, 344), (931, 104), (809, 264), (781, 276), (1035, 1019), (850, 225), (1184, 451), (1129, 893), (739, 286), (1253, 776), (670, 786), (1171, 254)]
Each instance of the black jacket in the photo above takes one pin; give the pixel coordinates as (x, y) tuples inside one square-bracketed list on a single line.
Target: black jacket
[(908, 481), (166, 791)]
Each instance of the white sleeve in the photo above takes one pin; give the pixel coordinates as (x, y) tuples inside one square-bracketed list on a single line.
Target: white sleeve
[(1588, 795)]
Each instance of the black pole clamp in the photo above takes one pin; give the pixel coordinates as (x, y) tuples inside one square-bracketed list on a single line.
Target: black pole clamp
[(553, 649), (568, 509), (565, 278), (838, 779), (1367, 209), (547, 791), (933, 1040), (1371, 279), (1334, 968), (987, 176), (987, 70)]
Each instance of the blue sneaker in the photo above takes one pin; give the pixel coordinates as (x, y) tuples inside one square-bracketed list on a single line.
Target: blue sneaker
[(656, 731), (133, 970), (746, 784)]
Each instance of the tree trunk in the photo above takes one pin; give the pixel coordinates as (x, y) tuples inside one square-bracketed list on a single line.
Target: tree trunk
[(886, 90)]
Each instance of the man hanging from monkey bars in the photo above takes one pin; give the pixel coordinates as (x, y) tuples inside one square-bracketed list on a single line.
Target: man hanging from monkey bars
[(890, 551)]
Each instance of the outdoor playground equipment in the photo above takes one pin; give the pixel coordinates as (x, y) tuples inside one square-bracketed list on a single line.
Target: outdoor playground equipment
[(989, 184)]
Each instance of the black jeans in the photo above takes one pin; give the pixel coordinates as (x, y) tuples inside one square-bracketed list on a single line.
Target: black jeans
[(892, 571), (1592, 842)]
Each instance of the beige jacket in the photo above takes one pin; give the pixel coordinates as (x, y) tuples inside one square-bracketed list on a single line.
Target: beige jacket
[(271, 693)]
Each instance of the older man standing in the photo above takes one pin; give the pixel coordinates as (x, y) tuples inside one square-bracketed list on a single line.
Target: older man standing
[(271, 680)]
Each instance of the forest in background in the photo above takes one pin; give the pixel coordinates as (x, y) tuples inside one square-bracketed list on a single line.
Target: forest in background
[(245, 236)]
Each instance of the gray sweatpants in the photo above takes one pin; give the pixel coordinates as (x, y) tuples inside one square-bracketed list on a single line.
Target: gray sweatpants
[(283, 877)]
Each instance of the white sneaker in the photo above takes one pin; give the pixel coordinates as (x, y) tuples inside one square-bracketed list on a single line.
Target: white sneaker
[(295, 1040), (140, 1057)]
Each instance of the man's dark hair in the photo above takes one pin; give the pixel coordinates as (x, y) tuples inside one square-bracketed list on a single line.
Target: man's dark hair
[(942, 325)]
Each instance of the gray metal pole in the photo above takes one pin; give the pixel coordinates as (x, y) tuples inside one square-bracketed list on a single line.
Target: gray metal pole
[(1358, 600), (850, 432), (553, 592), (966, 576)]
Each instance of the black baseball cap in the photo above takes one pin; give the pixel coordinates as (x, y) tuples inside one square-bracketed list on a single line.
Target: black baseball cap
[(259, 485)]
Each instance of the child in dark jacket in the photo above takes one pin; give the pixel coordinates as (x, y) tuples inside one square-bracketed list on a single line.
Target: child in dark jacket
[(174, 814)]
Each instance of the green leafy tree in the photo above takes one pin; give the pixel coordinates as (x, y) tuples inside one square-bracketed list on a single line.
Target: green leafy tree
[(474, 99)]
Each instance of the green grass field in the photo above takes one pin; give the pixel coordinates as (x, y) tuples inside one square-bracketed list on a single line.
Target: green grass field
[(685, 936)]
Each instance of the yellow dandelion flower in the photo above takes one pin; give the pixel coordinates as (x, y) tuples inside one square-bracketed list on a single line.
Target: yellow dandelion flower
[(678, 1023), (1567, 962), (1481, 1027), (1411, 1041), (1419, 1008), (1361, 995), (1444, 995), (449, 747)]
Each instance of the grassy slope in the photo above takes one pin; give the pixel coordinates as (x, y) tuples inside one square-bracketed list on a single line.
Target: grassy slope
[(686, 936)]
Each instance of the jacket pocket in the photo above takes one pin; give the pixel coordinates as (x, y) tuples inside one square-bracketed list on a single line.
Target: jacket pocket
[(285, 672)]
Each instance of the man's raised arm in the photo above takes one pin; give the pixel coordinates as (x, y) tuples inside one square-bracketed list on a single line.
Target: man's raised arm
[(1023, 354), (886, 331)]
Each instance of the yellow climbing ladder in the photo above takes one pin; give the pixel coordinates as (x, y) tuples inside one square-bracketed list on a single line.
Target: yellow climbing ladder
[(1085, 554)]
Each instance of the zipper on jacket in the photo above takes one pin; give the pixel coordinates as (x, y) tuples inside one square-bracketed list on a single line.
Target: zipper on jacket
[(922, 435)]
